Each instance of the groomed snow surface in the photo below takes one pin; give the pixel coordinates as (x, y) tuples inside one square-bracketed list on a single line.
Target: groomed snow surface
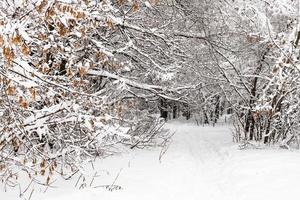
[(202, 163)]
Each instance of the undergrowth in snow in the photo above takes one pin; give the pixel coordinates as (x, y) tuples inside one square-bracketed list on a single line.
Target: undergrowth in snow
[(201, 162)]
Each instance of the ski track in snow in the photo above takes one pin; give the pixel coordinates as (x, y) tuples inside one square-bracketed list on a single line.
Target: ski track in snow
[(201, 163)]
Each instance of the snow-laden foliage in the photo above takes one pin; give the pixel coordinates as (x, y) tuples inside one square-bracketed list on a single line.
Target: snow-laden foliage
[(269, 111), (254, 66), (245, 61), (79, 77), (75, 77)]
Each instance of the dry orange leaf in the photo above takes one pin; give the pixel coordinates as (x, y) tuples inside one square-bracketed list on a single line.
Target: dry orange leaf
[(110, 24), (23, 103), (121, 2), (10, 90), (40, 7), (17, 39), (8, 54), (25, 49), (1, 40), (33, 92), (48, 180), (82, 71), (62, 30), (43, 171), (136, 6)]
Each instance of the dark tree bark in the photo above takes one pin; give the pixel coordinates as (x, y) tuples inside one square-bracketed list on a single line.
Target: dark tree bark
[(250, 122), (163, 108), (187, 112), (276, 105), (62, 67), (175, 110), (217, 109)]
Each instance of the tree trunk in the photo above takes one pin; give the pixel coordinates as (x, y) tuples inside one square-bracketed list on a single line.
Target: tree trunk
[(175, 108), (163, 109)]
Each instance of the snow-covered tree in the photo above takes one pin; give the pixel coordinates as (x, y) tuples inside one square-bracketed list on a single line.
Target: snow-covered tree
[(75, 78)]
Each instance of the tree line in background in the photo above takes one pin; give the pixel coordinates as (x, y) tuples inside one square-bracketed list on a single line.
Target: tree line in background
[(81, 77)]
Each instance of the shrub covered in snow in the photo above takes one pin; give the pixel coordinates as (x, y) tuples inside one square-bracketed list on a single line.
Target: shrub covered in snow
[(74, 74)]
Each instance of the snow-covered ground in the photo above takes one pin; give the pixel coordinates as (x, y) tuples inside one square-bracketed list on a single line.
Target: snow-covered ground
[(201, 163)]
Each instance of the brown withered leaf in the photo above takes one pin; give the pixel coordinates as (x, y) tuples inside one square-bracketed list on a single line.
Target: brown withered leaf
[(23, 103), (121, 2), (43, 164), (42, 172), (33, 92), (8, 54), (41, 6), (1, 40), (62, 30), (17, 39), (82, 71), (79, 15), (25, 49), (50, 12), (10, 90), (110, 24), (153, 2), (48, 180), (135, 6)]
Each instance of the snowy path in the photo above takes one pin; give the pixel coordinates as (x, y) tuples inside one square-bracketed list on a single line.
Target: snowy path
[(201, 163)]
